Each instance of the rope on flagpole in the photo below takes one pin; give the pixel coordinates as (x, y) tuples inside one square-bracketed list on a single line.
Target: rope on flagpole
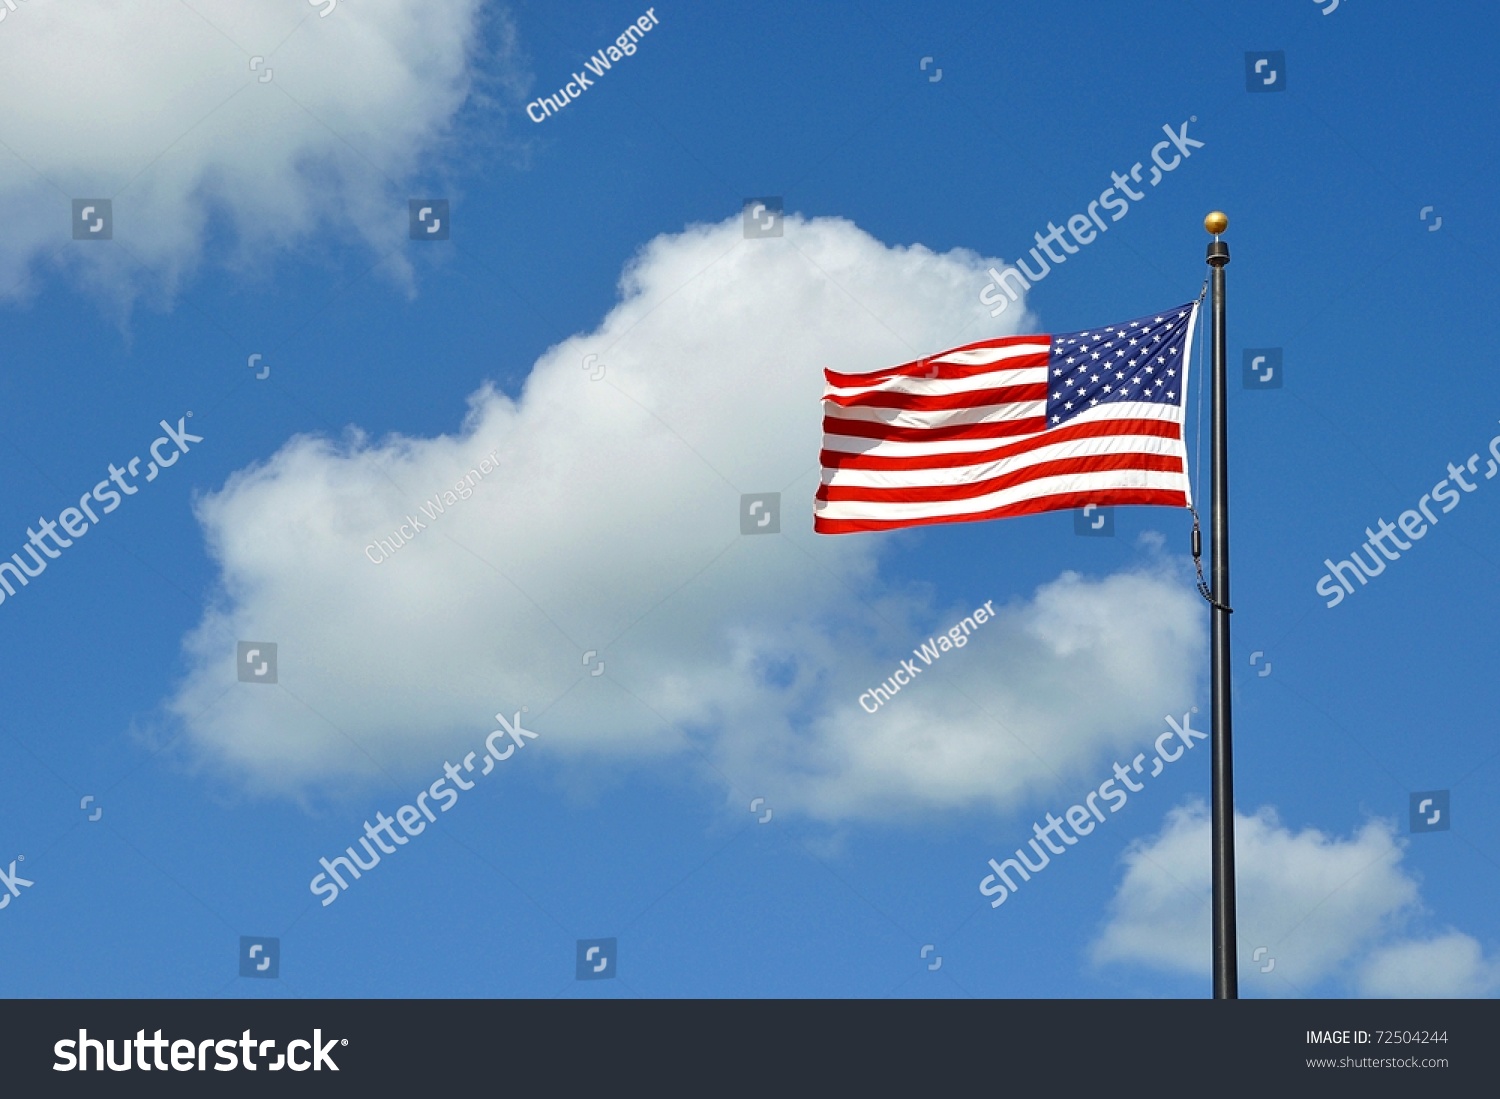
[(1198, 444), (1203, 588)]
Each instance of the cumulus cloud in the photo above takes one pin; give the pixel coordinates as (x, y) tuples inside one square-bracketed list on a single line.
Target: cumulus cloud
[(612, 525), (154, 104), (1002, 720), (1451, 964), (1324, 907)]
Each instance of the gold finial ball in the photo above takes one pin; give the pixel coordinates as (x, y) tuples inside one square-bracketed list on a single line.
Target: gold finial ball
[(1216, 222)]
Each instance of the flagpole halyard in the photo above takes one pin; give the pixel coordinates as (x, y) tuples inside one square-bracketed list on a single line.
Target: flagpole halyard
[(1225, 932)]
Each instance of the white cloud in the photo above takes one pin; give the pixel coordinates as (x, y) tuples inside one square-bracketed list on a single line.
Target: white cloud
[(612, 525), (154, 104), (1002, 720), (1324, 907), (1449, 965)]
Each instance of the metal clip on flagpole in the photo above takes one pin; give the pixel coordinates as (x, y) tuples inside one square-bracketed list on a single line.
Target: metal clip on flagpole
[(1225, 937)]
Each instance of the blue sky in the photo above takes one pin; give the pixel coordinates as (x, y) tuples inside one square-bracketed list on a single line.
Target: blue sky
[(270, 217)]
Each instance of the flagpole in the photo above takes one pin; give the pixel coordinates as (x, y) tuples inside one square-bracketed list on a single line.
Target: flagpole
[(1225, 938)]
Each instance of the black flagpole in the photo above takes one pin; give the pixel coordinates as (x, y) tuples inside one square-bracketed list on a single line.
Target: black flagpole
[(1226, 950)]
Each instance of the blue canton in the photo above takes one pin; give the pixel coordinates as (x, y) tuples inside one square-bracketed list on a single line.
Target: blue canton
[(1139, 360)]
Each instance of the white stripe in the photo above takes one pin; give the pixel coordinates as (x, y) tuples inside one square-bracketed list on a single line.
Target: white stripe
[(942, 387), (901, 417), (983, 356), (977, 356), (983, 471), (892, 448), (1041, 487), (1129, 410), (849, 444), (1187, 354)]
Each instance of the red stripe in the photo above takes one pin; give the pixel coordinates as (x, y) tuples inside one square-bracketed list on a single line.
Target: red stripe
[(1093, 463), (946, 402), (1063, 501), (926, 368), (1162, 429), (875, 429)]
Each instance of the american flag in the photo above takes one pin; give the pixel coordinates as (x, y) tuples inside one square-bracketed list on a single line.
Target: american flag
[(1011, 426)]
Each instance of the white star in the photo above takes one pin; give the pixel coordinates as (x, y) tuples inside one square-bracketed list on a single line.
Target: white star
[(1158, 320), (1171, 395), (1095, 354), (1094, 401), (1121, 373), (1057, 396), (1171, 373), (1132, 343), (1068, 405), (1120, 353), (1094, 378), (1106, 389), (1056, 419)]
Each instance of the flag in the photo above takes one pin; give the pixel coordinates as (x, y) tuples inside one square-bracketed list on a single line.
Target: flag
[(1010, 426)]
